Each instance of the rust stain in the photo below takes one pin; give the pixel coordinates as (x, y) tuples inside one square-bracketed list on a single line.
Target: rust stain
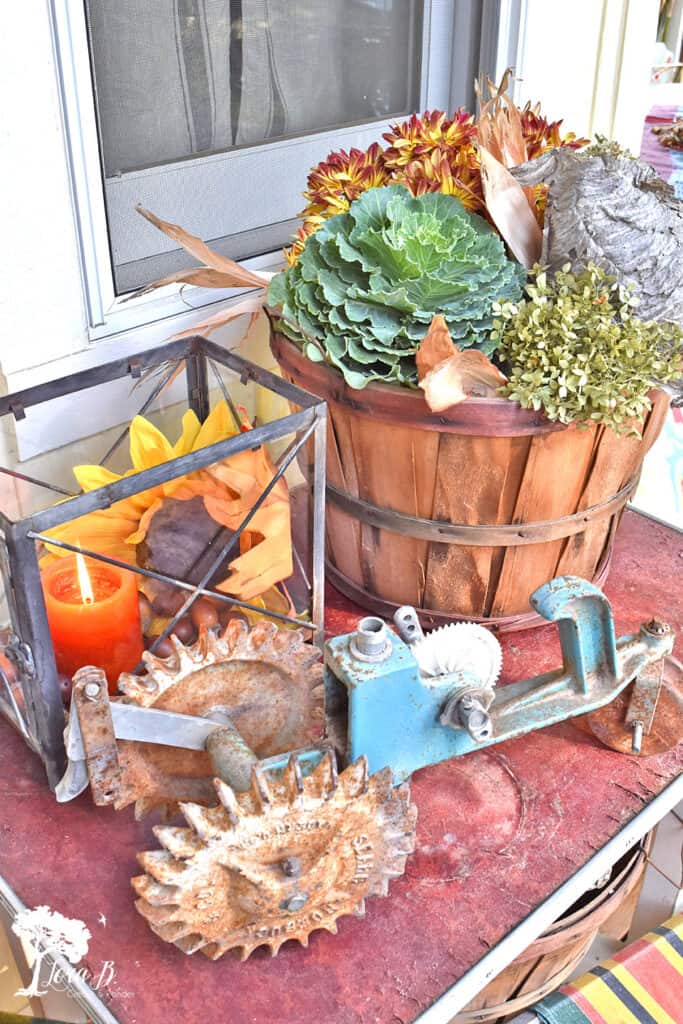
[(269, 680), (277, 862)]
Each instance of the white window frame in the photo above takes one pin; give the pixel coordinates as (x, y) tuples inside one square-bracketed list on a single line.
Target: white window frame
[(445, 49)]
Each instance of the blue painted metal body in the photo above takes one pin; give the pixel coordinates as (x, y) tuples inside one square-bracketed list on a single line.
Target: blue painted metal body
[(393, 710)]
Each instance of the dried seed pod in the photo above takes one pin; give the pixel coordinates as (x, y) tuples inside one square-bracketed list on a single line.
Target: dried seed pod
[(228, 614), (185, 631), (204, 614), (164, 649), (167, 600)]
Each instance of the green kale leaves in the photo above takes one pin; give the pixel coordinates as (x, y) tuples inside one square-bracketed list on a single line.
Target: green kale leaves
[(368, 283)]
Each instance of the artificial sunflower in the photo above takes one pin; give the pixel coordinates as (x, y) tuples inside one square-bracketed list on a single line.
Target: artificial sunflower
[(170, 528)]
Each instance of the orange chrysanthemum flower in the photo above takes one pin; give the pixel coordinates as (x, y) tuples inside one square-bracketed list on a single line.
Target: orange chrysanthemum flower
[(420, 136), (427, 153), (337, 181), (539, 134), (309, 226), (458, 176)]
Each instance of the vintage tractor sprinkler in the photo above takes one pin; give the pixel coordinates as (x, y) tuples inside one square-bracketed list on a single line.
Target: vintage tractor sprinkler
[(293, 844)]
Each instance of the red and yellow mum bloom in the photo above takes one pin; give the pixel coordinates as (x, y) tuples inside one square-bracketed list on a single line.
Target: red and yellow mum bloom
[(337, 181), (455, 174), (426, 153), (332, 186), (310, 225), (419, 137), (540, 134)]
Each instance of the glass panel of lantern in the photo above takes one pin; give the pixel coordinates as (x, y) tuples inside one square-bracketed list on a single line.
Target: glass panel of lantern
[(150, 496)]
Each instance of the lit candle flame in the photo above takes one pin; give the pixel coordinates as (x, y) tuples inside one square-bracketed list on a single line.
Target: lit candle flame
[(84, 583)]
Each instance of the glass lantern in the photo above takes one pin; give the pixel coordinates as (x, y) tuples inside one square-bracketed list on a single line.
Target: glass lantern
[(195, 470)]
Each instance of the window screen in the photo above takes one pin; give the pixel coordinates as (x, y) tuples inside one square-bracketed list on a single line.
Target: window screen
[(211, 112)]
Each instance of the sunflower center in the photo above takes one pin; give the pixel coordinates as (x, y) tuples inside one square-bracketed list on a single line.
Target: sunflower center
[(183, 541)]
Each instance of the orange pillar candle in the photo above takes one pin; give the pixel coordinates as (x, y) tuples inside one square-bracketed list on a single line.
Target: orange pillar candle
[(94, 616)]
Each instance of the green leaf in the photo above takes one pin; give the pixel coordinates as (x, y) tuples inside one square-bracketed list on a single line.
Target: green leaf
[(369, 282)]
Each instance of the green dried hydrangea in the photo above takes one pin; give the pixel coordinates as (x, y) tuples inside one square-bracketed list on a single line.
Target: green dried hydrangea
[(575, 349), (602, 146)]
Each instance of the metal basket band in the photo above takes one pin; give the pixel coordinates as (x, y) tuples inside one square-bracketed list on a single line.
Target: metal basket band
[(505, 535)]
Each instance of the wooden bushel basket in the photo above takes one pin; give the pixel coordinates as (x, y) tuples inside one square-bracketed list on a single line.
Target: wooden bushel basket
[(554, 956), (463, 514)]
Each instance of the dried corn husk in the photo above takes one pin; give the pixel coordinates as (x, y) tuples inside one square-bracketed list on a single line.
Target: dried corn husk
[(448, 375)]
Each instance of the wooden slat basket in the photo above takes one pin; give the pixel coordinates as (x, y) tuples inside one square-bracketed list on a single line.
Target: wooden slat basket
[(547, 963), (463, 514)]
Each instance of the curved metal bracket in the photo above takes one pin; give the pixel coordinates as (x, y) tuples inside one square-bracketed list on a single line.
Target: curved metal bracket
[(585, 624)]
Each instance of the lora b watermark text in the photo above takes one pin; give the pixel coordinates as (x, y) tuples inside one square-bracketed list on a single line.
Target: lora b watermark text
[(51, 935)]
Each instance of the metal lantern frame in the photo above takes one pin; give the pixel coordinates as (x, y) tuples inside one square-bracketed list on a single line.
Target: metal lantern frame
[(30, 646)]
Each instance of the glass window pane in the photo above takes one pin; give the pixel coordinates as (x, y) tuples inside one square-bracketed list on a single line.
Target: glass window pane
[(176, 79)]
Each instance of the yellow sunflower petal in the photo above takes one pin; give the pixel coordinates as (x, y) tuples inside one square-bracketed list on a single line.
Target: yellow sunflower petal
[(261, 568), (275, 601), (89, 478), (186, 441), (228, 513), (218, 425), (98, 531), (139, 535), (200, 483), (148, 446)]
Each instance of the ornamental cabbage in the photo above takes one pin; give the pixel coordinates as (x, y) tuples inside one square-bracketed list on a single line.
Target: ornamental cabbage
[(368, 283)]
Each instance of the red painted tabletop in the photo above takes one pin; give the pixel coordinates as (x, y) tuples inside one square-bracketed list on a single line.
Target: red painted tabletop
[(498, 832)]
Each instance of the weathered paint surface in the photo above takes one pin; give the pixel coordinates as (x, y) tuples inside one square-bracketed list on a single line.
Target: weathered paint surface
[(394, 713), (498, 831)]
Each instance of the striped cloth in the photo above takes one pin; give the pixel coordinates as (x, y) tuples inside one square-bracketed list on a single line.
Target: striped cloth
[(667, 162), (643, 984)]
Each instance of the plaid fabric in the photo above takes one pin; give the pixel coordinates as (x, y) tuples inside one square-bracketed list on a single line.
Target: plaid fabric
[(642, 985)]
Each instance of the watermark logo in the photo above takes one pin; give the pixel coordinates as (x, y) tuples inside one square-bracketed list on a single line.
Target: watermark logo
[(51, 934)]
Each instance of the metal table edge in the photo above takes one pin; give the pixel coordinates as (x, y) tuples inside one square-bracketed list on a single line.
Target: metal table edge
[(653, 518), (78, 989), (516, 941)]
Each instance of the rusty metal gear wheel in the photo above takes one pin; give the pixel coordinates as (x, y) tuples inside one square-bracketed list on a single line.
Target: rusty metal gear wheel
[(269, 682), (608, 724), (277, 862)]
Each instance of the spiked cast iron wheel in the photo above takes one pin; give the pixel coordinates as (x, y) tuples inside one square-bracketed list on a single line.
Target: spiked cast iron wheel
[(278, 862), (267, 679)]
